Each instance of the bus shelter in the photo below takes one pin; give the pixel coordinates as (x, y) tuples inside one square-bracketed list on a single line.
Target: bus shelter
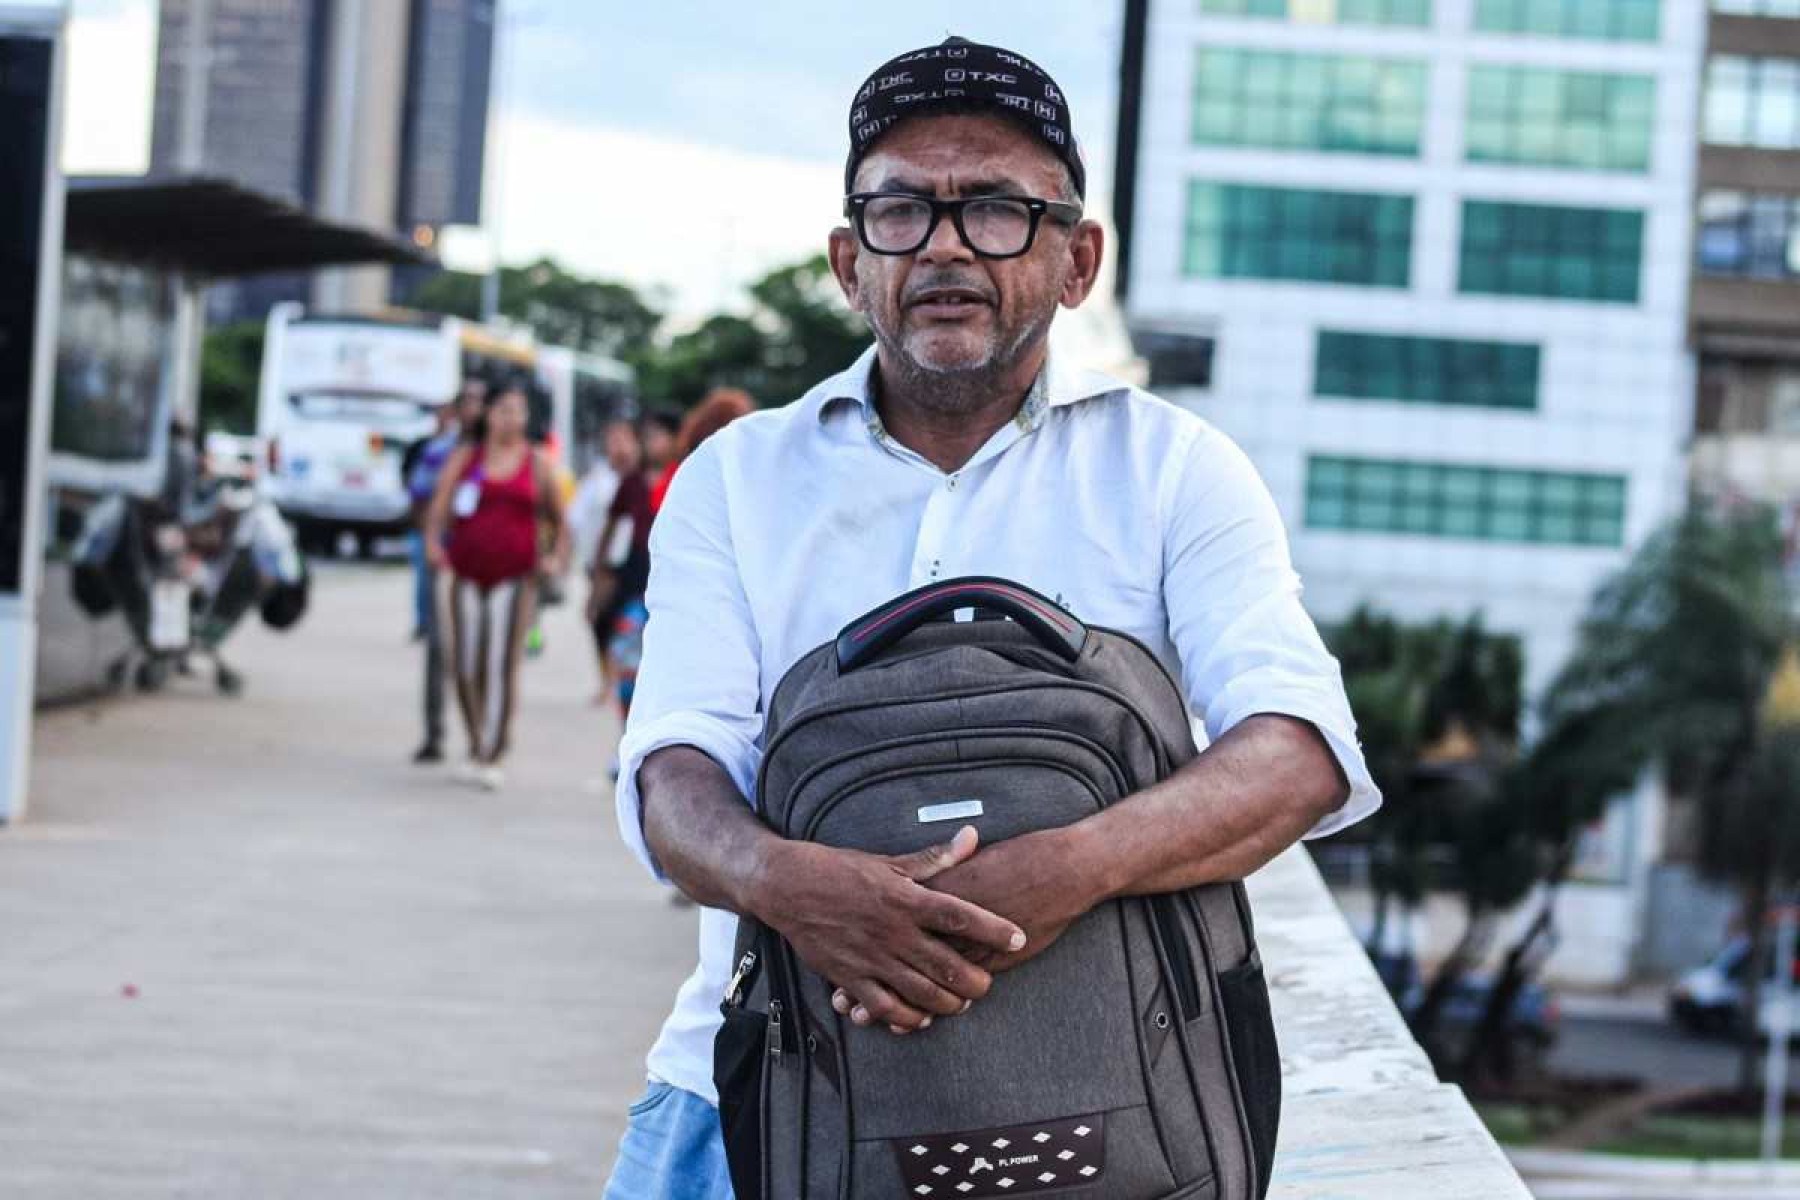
[(137, 252)]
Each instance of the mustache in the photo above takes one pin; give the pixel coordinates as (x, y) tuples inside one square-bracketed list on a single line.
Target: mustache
[(917, 287)]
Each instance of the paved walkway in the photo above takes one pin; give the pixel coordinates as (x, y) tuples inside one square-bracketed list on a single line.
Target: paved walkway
[(250, 952)]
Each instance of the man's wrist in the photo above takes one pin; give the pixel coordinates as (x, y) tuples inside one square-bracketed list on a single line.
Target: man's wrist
[(759, 888), (1090, 864)]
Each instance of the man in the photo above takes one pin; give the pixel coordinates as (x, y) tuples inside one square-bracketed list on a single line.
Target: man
[(956, 446), (420, 468)]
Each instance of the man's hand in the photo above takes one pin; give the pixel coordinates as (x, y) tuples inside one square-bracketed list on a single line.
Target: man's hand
[(1027, 880), (1030, 880), (869, 924)]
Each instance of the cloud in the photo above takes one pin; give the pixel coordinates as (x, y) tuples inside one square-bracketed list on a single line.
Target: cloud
[(655, 210), (111, 59)]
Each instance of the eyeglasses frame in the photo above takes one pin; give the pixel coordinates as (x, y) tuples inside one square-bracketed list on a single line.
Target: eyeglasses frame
[(856, 202)]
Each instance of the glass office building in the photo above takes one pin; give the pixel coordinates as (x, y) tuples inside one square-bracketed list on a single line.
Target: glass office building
[(1428, 262)]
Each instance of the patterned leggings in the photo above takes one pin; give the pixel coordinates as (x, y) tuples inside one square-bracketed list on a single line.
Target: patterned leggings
[(487, 632)]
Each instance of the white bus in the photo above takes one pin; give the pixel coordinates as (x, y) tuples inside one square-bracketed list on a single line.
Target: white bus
[(341, 399), (585, 392), (343, 396)]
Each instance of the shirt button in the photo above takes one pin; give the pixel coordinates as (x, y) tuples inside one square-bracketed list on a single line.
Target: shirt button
[(951, 483)]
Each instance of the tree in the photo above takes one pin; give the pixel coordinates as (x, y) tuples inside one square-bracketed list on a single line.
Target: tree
[(1674, 668), (798, 331), (230, 374), (1437, 710), (814, 334), (562, 309)]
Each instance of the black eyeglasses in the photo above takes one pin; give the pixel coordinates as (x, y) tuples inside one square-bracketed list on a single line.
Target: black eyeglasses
[(991, 226)]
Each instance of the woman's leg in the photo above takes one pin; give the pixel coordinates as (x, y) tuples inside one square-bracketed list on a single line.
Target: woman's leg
[(463, 648), (421, 566), (601, 627), (627, 651), (511, 609)]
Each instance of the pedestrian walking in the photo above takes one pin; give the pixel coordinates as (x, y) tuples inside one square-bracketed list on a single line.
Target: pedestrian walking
[(616, 597), (420, 468), (623, 455), (483, 528), (956, 445)]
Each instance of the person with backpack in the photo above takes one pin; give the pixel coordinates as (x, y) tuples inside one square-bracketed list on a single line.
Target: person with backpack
[(957, 446), (482, 528)]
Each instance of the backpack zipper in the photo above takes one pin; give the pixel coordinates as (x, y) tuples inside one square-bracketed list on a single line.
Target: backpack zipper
[(1114, 767), (808, 716), (820, 813), (734, 989)]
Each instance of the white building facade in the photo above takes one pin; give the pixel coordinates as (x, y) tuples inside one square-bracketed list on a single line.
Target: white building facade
[(1441, 252)]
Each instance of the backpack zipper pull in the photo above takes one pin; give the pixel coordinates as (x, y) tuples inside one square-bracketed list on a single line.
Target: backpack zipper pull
[(775, 1030), (745, 965)]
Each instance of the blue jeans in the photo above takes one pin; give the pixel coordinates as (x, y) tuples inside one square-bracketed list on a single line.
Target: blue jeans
[(672, 1150), (422, 615)]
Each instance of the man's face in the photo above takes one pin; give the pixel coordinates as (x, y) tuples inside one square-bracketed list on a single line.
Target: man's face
[(621, 446), (944, 309)]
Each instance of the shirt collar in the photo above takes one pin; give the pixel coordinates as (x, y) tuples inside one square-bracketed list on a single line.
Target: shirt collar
[(1055, 387)]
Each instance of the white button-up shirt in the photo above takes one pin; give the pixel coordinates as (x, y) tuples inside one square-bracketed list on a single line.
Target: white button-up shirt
[(782, 528)]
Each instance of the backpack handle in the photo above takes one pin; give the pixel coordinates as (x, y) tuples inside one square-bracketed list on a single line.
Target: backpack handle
[(1054, 627)]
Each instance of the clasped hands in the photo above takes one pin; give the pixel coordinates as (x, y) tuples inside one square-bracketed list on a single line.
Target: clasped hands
[(908, 938)]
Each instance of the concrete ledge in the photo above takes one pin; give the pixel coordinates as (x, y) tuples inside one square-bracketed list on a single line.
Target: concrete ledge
[(1363, 1115)]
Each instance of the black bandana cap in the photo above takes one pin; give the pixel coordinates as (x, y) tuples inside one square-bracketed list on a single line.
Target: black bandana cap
[(960, 72)]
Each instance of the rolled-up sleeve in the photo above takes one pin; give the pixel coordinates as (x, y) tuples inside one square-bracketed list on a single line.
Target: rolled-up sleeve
[(698, 683), (1233, 599)]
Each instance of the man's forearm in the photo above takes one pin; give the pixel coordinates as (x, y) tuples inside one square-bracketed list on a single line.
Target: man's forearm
[(1248, 797), (698, 827)]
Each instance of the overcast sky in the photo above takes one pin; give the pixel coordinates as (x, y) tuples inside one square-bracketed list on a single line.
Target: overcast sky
[(687, 143)]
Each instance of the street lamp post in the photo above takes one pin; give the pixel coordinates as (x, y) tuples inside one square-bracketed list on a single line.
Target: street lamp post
[(1781, 1027)]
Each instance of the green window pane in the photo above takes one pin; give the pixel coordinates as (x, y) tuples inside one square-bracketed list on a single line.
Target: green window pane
[(1291, 233), (1637, 20), (1348, 12), (1425, 370), (1613, 20), (1545, 250), (1260, 126), (1558, 527), (1490, 91), (1304, 101), (1628, 149), (1579, 119), (1445, 500)]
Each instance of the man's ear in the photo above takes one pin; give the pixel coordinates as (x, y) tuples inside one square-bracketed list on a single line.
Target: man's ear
[(842, 249), (1087, 248)]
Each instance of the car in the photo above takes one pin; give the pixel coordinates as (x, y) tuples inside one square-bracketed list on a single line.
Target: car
[(1710, 998)]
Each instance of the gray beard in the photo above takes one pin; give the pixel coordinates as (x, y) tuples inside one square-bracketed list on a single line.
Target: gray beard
[(954, 391)]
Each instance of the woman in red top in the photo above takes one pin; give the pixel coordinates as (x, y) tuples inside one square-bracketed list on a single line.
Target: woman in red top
[(490, 497)]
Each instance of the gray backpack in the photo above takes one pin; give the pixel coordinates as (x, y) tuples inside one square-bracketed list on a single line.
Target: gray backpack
[(1133, 1059)]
